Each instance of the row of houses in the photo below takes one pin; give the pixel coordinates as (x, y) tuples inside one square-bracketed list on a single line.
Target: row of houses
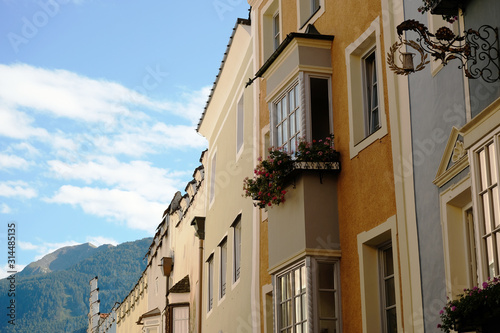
[(406, 218)]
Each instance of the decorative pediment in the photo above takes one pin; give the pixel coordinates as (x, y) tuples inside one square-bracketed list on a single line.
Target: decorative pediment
[(454, 159)]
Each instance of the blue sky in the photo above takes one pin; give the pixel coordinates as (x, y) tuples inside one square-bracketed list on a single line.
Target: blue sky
[(99, 101)]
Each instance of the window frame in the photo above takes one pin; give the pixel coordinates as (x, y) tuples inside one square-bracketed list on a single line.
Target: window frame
[(307, 13), (315, 262), (236, 226), (223, 268), (383, 278), (369, 63), (478, 209), (172, 321), (355, 53), (210, 283), (276, 30), (302, 84)]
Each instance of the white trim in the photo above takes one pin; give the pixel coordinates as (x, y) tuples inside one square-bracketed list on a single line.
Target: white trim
[(354, 54)]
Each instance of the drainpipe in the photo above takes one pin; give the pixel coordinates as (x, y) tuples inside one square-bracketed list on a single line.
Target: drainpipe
[(167, 264), (200, 284)]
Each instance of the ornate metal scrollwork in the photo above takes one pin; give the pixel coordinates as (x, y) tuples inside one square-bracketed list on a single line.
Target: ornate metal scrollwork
[(477, 51)]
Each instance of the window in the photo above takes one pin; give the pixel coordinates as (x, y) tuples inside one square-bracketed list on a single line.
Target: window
[(379, 281), (276, 31), (327, 297), (210, 280), (180, 319), (223, 268), (367, 122), (290, 123), (237, 248), (307, 9), (212, 178), (488, 204), (370, 94), (239, 125), (287, 110), (271, 29), (292, 300), (388, 292)]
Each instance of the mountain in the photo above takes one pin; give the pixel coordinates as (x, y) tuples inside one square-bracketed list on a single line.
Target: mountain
[(57, 301), (61, 259)]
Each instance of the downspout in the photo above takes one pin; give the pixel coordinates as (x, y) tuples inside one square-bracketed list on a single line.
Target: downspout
[(200, 283)]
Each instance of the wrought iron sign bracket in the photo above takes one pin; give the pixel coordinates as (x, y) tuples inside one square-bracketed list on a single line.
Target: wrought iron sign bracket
[(477, 51)]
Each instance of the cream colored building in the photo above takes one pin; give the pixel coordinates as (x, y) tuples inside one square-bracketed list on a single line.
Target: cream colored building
[(132, 307), (231, 248)]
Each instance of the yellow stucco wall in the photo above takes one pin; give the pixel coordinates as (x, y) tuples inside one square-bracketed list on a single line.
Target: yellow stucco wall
[(366, 195)]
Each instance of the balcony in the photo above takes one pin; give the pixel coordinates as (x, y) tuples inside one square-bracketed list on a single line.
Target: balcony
[(307, 223)]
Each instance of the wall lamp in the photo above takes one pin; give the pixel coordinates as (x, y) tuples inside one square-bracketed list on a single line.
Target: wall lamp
[(476, 50)]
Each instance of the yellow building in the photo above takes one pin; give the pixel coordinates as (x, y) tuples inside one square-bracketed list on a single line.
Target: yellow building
[(341, 253)]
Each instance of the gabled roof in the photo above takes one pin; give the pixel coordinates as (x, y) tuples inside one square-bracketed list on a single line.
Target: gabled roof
[(238, 22), (153, 313), (182, 286)]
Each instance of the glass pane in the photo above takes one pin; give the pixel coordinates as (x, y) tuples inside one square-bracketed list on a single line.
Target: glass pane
[(298, 120), (296, 96), (392, 323), (303, 273), (496, 206), (298, 329), (493, 163), (280, 136), (285, 130), (284, 315), (374, 100), (490, 260), (326, 276), (483, 169), (293, 145), (292, 99), (328, 326), (285, 108), (304, 327), (327, 304), (374, 121), (486, 213), (388, 262), (292, 124), (296, 282), (283, 287), (278, 111), (298, 309), (390, 296)]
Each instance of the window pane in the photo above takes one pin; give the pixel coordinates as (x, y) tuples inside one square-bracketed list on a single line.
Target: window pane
[(296, 282), (303, 273), (392, 323), (285, 130), (483, 169), (304, 306), (278, 112), (325, 272), (490, 260), (388, 262), (390, 292), (327, 304), (496, 206), (298, 309), (493, 163), (486, 213), (328, 326), (292, 99), (293, 129)]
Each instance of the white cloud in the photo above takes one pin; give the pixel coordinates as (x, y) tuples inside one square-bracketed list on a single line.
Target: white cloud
[(113, 204), (18, 189), (12, 161), (17, 124), (100, 240), (5, 269), (27, 246), (140, 177), (5, 209)]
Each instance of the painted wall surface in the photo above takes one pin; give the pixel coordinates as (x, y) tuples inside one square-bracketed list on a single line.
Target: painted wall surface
[(231, 313), (476, 14), (132, 307)]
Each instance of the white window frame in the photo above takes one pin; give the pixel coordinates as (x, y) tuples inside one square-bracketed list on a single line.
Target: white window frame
[(185, 320), (336, 291), (278, 298), (276, 30), (479, 212), (223, 268), (210, 283), (355, 53), (369, 243), (383, 278), (304, 118), (288, 141), (236, 250), (307, 13), (370, 92), (267, 30)]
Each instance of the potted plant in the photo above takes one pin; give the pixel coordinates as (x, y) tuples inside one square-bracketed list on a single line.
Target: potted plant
[(477, 309), (267, 187)]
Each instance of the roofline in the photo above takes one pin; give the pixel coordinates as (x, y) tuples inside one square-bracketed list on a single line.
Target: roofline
[(239, 21)]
